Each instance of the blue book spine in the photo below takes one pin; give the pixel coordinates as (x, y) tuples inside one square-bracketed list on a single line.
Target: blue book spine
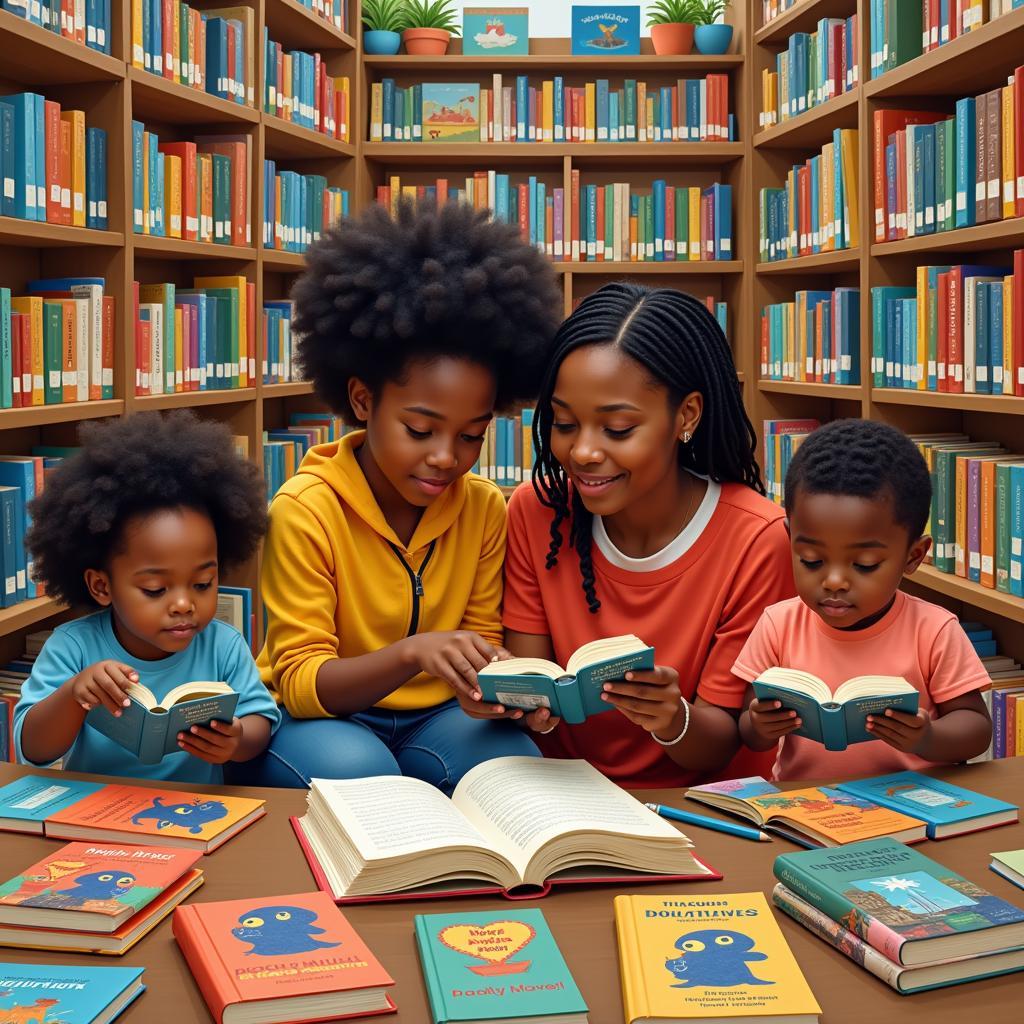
[(417, 112), (24, 152), (8, 544), (723, 221), (156, 24), (92, 178), (1017, 531), (591, 222), (842, 229), (658, 194), (104, 32), (890, 191), (8, 164), (558, 106), (965, 162), (665, 113), (90, 25), (995, 340), (216, 64), (40, 138), (693, 108), (522, 108), (601, 113), (613, 119), (532, 208), (897, 344), (388, 107)]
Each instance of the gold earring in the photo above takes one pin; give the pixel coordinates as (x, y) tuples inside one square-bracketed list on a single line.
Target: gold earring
[(686, 437)]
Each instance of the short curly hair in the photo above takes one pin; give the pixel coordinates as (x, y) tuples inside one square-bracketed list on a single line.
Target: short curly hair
[(135, 466), (864, 459), (381, 292)]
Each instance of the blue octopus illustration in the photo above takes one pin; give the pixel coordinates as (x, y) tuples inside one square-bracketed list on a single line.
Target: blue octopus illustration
[(188, 816), (280, 931), (99, 885), (714, 958)]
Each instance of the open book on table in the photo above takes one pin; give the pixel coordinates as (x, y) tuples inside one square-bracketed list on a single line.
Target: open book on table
[(511, 822)]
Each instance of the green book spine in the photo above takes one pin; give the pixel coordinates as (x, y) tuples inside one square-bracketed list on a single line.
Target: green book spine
[(609, 221), (904, 31), (228, 329), (169, 346), (6, 366), (1002, 563), (431, 975), (682, 224), (53, 328), (949, 173), (221, 199)]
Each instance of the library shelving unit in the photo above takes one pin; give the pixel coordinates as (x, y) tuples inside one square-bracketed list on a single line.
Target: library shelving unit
[(967, 66)]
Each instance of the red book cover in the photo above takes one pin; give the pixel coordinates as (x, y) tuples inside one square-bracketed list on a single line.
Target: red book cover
[(886, 123), (16, 369), (186, 152), (942, 331), (933, 24), (141, 353), (167, 27), (670, 224), (837, 71), (107, 361), (955, 335), (442, 191), (236, 950), (145, 341), (1018, 324), (53, 133)]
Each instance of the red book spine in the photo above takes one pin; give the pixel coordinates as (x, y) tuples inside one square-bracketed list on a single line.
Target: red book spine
[(670, 224), (16, 369), (600, 223), (107, 352), (575, 209), (878, 158), (317, 86), (145, 345), (167, 24), (901, 184), (232, 70), (955, 363), (942, 331), (804, 232), (140, 354), (65, 172), (442, 192), (53, 139)]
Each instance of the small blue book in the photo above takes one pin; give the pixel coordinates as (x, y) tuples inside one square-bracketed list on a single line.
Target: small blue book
[(836, 719), (572, 693), (26, 803), (73, 995), (946, 810)]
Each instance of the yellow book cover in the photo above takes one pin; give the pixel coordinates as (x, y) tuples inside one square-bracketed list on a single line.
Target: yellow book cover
[(641, 112), (138, 52), (147, 213), (828, 232), (851, 205), (172, 195), (240, 284), (395, 184), (204, 190), (409, 191), (345, 111), (69, 345), (176, 40), (179, 349), (1008, 351), (589, 117), (694, 223), (76, 118), (920, 372), (764, 121), (1020, 726), (789, 370), (709, 957), (376, 112), (547, 107), (31, 307), (1009, 174)]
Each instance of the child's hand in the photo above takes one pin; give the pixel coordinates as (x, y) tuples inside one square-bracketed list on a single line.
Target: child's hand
[(770, 721), (478, 709), (649, 699), (454, 656), (216, 744), (103, 684), (542, 721), (908, 733)]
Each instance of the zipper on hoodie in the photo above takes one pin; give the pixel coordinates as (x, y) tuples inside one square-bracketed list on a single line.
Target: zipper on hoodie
[(416, 579)]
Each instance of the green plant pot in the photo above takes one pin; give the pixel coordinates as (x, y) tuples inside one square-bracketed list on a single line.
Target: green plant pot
[(713, 38)]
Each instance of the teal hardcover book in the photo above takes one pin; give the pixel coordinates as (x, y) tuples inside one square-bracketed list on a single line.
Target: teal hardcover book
[(572, 693), (26, 803), (910, 908), (495, 965), (37, 993), (947, 810)]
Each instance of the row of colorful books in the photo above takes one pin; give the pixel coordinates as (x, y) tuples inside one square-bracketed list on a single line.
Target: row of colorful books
[(956, 331), (195, 339), (904, 29), (816, 337), (52, 166), (782, 440), (212, 50), (1007, 689), (772, 9), (935, 172), (198, 190), (691, 110), (283, 449), (818, 209), (594, 222), (56, 343), (814, 68), (278, 367), (297, 87), (83, 21), (297, 208), (333, 11)]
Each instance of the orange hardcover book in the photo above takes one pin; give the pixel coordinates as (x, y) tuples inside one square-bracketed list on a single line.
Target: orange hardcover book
[(186, 153), (575, 226), (65, 173), (52, 116), (238, 153), (172, 196), (155, 817), (76, 118), (236, 948)]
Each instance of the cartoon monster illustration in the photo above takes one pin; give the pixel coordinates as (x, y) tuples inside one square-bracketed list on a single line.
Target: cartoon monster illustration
[(99, 885), (191, 817), (714, 958), (34, 1014), (280, 931)]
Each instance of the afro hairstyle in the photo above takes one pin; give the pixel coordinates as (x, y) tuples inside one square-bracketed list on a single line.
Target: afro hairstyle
[(864, 459), (135, 466), (382, 292)]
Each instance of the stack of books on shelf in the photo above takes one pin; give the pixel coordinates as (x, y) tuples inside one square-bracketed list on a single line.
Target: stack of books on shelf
[(818, 209), (937, 171), (772, 9), (957, 331), (53, 167), (84, 23), (506, 456), (814, 68), (332, 11), (198, 191), (283, 449), (782, 438), (195, 339), (691, 110), (298, 88), (297, 208), (277, 342), (1002, 699), (212, 50), (814, 338), (56, 343)]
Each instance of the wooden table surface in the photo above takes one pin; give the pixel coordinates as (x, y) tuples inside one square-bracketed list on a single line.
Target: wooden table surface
[(265, 860)]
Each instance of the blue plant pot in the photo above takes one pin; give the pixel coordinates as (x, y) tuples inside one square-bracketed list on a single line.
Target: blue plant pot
[(380, 43), (712, 38)]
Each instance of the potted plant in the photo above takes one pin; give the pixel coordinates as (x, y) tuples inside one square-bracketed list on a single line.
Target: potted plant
[(709, 36), (427, 25), (382, 24), (671, 23)]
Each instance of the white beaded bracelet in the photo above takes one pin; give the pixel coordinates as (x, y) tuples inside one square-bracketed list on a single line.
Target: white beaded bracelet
[(550, 728), (686, 725)]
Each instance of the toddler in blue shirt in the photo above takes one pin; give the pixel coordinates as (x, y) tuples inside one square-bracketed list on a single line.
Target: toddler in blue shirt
[(141, 522)]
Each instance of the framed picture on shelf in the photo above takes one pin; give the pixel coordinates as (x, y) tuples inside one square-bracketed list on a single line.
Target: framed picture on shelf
[(496, 30), (607, 30), (451, 111)]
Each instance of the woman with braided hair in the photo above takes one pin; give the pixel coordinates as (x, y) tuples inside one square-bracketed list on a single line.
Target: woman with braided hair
[(646, 515)]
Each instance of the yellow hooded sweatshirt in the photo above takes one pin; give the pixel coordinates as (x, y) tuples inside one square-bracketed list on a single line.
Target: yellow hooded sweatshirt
[(338, 583)]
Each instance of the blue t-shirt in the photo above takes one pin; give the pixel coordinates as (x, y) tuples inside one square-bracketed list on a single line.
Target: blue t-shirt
[(217, 653)]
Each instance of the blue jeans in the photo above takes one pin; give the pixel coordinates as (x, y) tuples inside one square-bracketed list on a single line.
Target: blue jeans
[(438, 745)]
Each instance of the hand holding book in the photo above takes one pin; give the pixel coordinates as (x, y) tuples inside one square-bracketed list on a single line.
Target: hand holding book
[(104, 684)]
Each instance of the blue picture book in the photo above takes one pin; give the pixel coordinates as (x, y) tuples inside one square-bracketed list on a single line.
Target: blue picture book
[(947, 810), (572, 693), (835, 719), (605, 30), (71, 995), (26, 803)]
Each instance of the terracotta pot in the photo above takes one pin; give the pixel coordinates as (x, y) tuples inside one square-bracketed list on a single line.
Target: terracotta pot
[(674, 39), (426, 42)]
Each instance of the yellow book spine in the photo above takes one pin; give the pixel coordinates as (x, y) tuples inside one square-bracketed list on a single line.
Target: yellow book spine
[(851, 206), (1008, 350), (764, 121), (176, 40), (76, 118), (641, 112), (138, 51), (694, 223), (589, 117), (960, 518), (920, 371), (172, 196), (32, 307), (179, 350), (1009, 173), (396, 193), (147, 219), (345, 111), (634, 992), (548, 110)]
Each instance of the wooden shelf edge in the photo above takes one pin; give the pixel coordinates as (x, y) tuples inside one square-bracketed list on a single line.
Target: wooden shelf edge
[(680, 267), (189, 399), (1009, 405), (780, 136), (143, 81), (316, 142), (995, 235), (519, 151), (539, 61), (277, 259), (823, 262), (995, 601), (92, 64), (848, 392), (287, 389), (42, 415), (28, 613), (33, 234), (180, 248), (332, 35)]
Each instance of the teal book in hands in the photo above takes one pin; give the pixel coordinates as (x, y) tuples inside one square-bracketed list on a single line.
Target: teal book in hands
[(572, 693), (149, 726), (495, 966), (835, 719)]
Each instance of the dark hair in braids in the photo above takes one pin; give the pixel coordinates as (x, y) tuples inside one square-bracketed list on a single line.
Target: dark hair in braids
[(674, 337)]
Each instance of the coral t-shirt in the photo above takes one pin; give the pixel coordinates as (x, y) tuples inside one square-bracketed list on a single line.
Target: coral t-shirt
[(696, 609), (914, 639)]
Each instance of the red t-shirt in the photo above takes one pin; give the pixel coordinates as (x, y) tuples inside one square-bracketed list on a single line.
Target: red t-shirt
[(697, 612)]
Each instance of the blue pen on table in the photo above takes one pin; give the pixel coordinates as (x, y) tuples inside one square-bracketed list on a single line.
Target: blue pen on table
[(730, 828)]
